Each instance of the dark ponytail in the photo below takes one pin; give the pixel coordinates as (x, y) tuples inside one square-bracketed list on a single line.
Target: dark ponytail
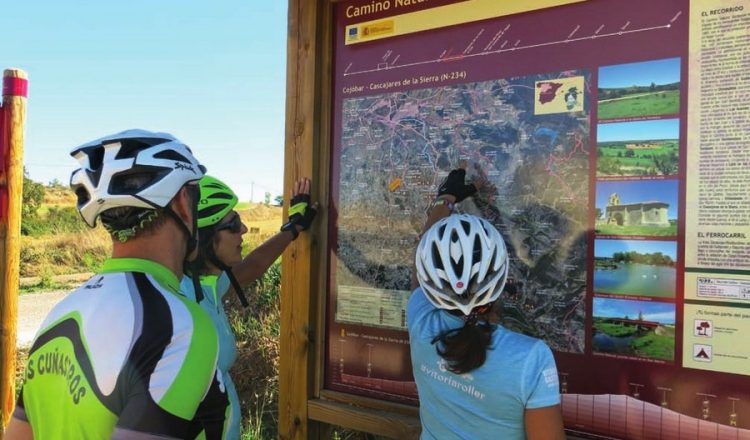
[(465, 348)]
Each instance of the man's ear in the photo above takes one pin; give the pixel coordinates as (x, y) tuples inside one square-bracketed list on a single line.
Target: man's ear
[(181, 205)]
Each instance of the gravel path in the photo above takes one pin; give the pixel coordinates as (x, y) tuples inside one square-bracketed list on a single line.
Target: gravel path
[(32, 309)]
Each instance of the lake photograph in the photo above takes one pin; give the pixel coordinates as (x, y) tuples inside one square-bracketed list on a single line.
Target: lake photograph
[(635, 267)]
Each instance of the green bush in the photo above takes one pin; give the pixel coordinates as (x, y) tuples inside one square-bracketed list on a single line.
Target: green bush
[(58, 219), (32, 196), (268, 287)]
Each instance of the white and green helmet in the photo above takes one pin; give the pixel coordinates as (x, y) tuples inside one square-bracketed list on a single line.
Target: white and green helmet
[(135, 168), (462, 263)]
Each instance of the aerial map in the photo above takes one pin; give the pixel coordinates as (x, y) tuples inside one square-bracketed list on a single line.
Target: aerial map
[(523, 140)]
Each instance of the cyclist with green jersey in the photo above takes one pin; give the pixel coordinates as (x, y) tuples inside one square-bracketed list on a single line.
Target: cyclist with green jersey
[(221, 267), (126, 356)]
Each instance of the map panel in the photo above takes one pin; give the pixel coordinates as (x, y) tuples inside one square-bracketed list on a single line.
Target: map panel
[(523, 140)]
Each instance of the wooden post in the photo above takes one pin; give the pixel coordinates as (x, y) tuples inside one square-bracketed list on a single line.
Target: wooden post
[(11, 182), (298, 287), (305, 408)]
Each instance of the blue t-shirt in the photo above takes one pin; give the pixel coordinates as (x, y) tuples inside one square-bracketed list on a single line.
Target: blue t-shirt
[(488, 402), (214, 288)]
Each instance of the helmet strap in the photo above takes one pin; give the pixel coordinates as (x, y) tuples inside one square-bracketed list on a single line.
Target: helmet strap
[(191, 268), (192, 241), (232, 279), (192, 237)]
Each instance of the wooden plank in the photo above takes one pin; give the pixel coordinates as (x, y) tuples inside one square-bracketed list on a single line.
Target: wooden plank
[(369, 402), (389, 424), (14, 108), (295, 367), (325, 58)]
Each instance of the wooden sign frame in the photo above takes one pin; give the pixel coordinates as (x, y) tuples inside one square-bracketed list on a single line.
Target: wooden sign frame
[(668, 34), (304, 407)]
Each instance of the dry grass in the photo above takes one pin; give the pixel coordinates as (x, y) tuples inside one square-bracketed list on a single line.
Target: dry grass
[(255, 373), (22, 355), (76, 252), (65, 253)]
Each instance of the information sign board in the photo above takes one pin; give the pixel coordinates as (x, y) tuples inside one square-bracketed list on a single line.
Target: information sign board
[(611, 141)]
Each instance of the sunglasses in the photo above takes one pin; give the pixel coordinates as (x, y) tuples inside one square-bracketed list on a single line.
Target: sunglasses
[(234, 225)]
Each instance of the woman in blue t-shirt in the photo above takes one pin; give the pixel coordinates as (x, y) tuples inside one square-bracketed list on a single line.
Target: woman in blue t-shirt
[(220, 266), (476, 380)]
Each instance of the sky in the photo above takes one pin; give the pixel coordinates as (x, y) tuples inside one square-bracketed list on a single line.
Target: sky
[(659, 72), (638, 130), (211, 73), (638, 191)]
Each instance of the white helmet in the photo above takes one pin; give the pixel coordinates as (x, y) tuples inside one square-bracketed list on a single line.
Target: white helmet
[(462, 263), (158, 162)]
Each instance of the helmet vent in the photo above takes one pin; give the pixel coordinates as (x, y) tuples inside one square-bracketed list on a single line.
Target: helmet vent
[(466, 226), (129, 148), (211, 210), (437, 260), (171, 155), (95, 156), (441, 231), (82, 195), (94, 175), (129, 183), (458, 266), (223, 196), (476, 254)]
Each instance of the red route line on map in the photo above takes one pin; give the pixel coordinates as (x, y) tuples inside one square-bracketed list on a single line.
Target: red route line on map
[(571, 338), (554, 160)]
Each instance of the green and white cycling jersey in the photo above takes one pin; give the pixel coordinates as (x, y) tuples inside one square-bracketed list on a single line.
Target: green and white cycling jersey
[(124, 356)]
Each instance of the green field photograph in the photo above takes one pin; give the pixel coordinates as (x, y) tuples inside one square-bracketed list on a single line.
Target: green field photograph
[(638, 148), (643, 329), (635, 267), (643, 208), (636, 90)]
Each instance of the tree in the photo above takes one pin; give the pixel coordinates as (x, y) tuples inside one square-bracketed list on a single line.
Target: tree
[(57, 184), (666, 164), (279, 200), (32, 196), (267, 198)]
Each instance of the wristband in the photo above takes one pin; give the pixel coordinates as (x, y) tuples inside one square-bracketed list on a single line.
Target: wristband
[(439, 202), (290, 226)]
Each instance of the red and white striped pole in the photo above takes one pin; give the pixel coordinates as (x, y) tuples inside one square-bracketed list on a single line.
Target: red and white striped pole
[(12, 119)]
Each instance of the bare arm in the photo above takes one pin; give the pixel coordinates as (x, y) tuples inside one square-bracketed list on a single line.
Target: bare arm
[(261, 258), (544, 423), (18, 430)]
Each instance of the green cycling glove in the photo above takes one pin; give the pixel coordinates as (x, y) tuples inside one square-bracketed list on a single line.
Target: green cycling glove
[(301, 214)]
